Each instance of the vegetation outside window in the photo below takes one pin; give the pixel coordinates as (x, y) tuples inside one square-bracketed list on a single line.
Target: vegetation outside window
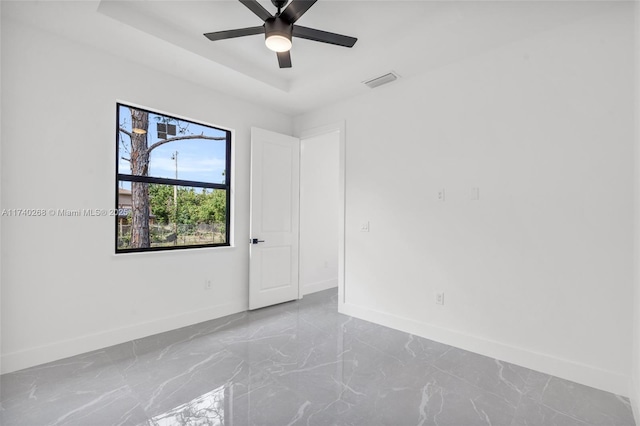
[(173, 182)]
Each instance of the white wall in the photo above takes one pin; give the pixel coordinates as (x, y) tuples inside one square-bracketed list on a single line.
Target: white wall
[(635, 367), (319, 212), (1, 108), (63, 290), (538, 271)]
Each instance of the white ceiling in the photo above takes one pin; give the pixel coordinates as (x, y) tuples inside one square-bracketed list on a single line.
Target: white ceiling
[(409, 37)]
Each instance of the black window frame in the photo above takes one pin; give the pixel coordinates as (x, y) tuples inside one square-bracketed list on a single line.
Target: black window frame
[(226, 186)]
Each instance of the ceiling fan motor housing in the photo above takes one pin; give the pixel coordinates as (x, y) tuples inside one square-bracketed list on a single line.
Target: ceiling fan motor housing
[(277, 26)]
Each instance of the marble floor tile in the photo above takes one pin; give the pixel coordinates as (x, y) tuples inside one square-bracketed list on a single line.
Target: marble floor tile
[(298, 363), (448, 400), (402, 346), (532, 413), (72, 391), (587, 404), (500, 378)]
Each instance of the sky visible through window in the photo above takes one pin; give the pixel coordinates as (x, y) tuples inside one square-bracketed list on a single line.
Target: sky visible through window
[(200, 160)]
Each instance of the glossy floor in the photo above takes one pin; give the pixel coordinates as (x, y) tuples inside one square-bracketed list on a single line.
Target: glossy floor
[(299, 363)]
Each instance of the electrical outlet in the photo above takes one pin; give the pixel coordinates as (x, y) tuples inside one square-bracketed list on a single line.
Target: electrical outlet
[(440, 299), (364, 227), (441, 195), (475, 194), (207, 285)]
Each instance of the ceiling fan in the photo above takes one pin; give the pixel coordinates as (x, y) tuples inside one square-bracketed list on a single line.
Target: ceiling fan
[(279, 29)]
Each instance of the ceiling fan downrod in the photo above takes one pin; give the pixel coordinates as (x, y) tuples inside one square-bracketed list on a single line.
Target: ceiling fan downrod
[(279, 4)]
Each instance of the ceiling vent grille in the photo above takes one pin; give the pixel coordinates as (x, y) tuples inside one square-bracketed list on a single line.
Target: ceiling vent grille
[(383, 79)]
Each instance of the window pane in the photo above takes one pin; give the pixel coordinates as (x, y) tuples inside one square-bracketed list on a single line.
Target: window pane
[(155, 145), (178, 216), (166, 172)]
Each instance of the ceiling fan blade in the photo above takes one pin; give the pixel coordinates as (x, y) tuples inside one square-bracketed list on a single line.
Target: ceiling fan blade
[(296, 9), (284, 59), (257, 8), (241, 32), (323, 36)]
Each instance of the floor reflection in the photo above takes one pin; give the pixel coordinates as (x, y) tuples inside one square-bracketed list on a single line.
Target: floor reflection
[(206, 410)]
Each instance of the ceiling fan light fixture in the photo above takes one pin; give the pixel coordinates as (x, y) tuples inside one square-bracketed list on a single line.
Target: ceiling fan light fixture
[(277, 34), (278, 43)]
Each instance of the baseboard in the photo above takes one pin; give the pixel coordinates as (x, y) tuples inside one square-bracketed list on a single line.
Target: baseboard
[(576, 372), (43, 354), (319, 286)]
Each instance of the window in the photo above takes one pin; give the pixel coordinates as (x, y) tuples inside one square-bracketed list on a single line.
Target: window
[(173, 179)]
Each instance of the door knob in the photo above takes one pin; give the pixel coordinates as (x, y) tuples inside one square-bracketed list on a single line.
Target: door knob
[(256, 241)]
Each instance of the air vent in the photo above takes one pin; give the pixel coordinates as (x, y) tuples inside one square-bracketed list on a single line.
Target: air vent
[(383, 79)]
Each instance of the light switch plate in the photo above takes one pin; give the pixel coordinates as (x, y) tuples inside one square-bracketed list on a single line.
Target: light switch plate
[(364, 227)]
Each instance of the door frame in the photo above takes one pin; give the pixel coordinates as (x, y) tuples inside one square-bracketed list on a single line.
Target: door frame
[(340, 127)]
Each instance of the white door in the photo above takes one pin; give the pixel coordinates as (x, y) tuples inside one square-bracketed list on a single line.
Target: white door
[(275, 196)]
